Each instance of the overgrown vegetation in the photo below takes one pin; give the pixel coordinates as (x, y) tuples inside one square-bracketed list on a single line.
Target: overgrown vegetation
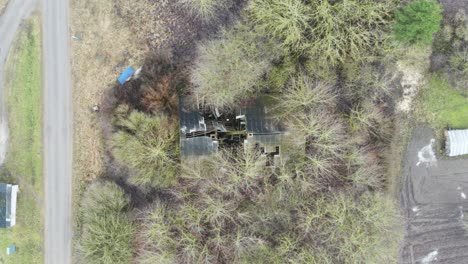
[(418, 21), (328, 69), (147, 145), (444, 102), (107, 230), (23, 164), (206, 9), (329, 32), (231, 210), (229, 69)]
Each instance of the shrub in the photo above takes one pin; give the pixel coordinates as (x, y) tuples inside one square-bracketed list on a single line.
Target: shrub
[(281, 73), (229, 68), (459, 68), (156, 89), (158, 242), (303, 95), (231, 209), (206, 9), (418, 21), (461, 25), (328, 31), (286, 20), (348, 29), (107, 231), (148, 146), (354, 230)]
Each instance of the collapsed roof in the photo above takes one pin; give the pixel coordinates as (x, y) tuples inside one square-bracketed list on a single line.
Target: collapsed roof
[(203, 132)]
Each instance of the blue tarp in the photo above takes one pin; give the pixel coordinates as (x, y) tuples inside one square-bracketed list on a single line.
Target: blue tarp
[(126, 75), (11, 249)]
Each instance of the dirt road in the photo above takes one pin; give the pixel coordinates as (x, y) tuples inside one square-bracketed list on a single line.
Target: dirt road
[(435, 200), (57, 132)]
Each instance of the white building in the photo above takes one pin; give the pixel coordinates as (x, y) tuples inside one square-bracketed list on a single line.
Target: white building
[(456, 142), (8, 196)]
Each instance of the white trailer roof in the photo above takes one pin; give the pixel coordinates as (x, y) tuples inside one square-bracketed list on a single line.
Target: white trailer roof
[(457, 142)]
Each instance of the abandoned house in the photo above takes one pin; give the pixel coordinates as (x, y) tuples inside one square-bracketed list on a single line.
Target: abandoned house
[(204, 131), (8, 195), (456, 143)]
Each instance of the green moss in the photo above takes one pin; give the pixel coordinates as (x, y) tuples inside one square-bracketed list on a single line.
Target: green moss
[(443, 106)]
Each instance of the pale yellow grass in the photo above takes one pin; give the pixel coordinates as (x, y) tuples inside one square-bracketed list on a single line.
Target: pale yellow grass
[(107, 45)]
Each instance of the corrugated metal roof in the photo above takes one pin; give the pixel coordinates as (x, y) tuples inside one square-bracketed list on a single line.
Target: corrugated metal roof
[(5, 205), (259, 121), (190, 121), (457, 142), (260, 124), (197, 146)]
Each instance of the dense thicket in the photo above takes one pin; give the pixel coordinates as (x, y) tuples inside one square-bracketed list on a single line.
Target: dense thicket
[(147, 145), (231, 210), (279, 35), (322, 64), (230, 68), (328, 32), (107, 229), (451, 49)]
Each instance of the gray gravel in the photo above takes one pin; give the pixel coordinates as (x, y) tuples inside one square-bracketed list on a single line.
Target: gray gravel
[(10, 21), (434, 197)]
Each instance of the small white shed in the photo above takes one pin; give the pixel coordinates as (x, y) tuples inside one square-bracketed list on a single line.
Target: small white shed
[(456, 143)]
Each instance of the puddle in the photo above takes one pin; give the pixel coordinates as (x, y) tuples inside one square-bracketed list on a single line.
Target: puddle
[(426, 155), (430, 257)]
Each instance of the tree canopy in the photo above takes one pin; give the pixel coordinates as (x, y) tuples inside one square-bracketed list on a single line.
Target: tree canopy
[(418, 21)]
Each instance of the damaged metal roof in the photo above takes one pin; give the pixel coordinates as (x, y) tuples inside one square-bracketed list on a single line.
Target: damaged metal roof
[(258, 121), (197, 146), (199, 136)]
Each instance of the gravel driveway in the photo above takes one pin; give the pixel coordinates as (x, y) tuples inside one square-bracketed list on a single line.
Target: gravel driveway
[(434, 197)]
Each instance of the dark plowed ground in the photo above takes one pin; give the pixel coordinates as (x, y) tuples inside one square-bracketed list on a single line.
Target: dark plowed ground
[(434, 204)]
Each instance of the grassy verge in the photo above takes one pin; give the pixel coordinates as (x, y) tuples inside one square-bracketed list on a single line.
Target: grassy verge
[(443, 106), (24, 159), (106, 46)]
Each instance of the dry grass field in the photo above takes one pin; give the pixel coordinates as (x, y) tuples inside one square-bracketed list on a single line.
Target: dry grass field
[(107, 37), (103, 46)]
